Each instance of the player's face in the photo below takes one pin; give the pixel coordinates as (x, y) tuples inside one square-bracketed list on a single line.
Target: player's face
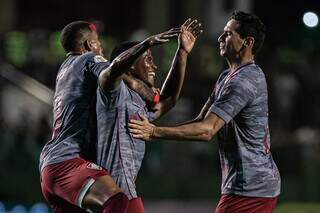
[(95, 44), (145, 69), (230, 41)]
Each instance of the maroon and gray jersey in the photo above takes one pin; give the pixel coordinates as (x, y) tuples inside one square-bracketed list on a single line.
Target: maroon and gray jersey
[(73, 108), (117, 150), (240, 98)]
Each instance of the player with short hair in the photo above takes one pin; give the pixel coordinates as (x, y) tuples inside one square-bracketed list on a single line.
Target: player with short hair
[(237, 111), (117, 150), (69, 182)]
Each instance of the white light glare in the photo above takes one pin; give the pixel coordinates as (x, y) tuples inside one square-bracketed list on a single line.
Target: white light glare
[(310, 19)]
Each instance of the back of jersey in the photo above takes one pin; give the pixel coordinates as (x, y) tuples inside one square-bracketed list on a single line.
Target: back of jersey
[(74, 108)]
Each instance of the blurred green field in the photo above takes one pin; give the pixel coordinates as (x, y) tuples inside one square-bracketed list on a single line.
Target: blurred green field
[(298, 208)]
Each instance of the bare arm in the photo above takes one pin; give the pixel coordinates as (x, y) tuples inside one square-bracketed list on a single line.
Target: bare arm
[(172, 86), (110, 77), (203, 130)]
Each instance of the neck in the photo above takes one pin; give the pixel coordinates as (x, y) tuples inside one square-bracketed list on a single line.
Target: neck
[(233, 64), (144, 90), (74, 53)]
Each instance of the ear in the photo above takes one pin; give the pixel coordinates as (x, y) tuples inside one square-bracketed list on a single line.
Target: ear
[(249, 42), (87, 45)]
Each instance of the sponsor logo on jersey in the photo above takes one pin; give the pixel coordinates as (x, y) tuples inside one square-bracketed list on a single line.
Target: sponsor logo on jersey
[(99, 58)]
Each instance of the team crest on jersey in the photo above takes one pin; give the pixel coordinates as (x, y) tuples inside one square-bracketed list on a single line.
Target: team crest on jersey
[(94, 166), (99, 58)]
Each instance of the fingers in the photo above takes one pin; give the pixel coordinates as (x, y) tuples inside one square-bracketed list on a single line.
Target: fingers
[(175, 29), (186, 23), (135, 131), (137, 136), (166, 36), (193, 26), (197, 30), (134, 126), (137, 122), (171, 33)]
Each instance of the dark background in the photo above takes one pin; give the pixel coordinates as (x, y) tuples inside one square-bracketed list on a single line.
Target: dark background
[(30, 56)]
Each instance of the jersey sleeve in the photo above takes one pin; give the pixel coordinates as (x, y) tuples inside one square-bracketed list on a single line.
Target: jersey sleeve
[(112, 98), (236, 94), (96, 64)]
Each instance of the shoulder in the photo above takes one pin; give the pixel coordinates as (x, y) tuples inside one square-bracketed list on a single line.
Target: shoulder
[(247, 79), (249, 75), (90, 57), (252, 71)]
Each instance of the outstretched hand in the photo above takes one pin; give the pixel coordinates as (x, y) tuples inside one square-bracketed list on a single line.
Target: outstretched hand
[(163, 37), (190, 30), (141, 129)]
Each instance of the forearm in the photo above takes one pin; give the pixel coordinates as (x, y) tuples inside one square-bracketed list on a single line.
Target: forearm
[(191, 131), (174, 81), (202, 130), (125, 60), (121, 64)]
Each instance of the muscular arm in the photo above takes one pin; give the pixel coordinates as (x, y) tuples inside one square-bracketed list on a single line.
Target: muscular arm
[(203, 130), (111, 77), (172, 86)]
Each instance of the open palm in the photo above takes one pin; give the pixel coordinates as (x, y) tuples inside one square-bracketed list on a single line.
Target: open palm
[(189, 32)]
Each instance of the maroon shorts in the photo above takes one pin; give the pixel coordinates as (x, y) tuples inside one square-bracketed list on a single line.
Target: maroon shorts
[(242, 204), (135, 206), (65, 184)]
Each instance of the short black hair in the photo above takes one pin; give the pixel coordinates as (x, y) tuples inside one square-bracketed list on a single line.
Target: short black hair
[(74, 34), (250, 25), (120, 48)]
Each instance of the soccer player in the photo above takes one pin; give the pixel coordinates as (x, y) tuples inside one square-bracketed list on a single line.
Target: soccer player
[(237, 111), (117, 150), (69, 182)]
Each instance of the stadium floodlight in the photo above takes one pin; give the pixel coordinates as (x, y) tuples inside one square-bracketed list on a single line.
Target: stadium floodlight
[(310, 19)]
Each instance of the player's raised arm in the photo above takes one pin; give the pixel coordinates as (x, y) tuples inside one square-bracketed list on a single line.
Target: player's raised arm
[(172, 86), (110, 77)]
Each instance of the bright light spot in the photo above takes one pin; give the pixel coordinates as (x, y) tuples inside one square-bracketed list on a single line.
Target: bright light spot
[(310, 19)]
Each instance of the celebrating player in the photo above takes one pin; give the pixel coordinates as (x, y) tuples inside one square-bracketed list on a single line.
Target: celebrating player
[(237, 111), (117, 151)]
